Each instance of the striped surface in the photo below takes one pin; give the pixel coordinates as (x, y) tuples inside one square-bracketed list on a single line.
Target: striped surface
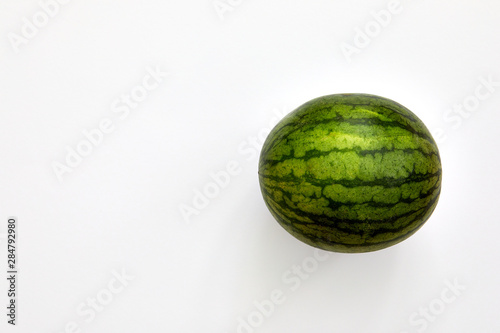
[(350, 173)]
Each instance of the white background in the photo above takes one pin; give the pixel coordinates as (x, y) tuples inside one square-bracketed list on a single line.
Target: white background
[(229, 74)]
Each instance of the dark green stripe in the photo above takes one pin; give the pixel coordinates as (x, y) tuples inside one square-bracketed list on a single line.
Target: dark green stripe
[(423, 211), (314, 153), (373, 204), (365, 247), (375, 107), (386, 182), (337, 224), (327, 221), (368, 122)]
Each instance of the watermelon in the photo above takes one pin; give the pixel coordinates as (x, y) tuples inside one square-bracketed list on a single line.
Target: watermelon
[(350, 173)]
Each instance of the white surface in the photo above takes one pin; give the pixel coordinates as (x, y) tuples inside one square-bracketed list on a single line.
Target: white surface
[(228, 77)]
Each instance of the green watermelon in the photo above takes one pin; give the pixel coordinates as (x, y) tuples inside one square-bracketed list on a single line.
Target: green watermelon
[(350, 173)]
